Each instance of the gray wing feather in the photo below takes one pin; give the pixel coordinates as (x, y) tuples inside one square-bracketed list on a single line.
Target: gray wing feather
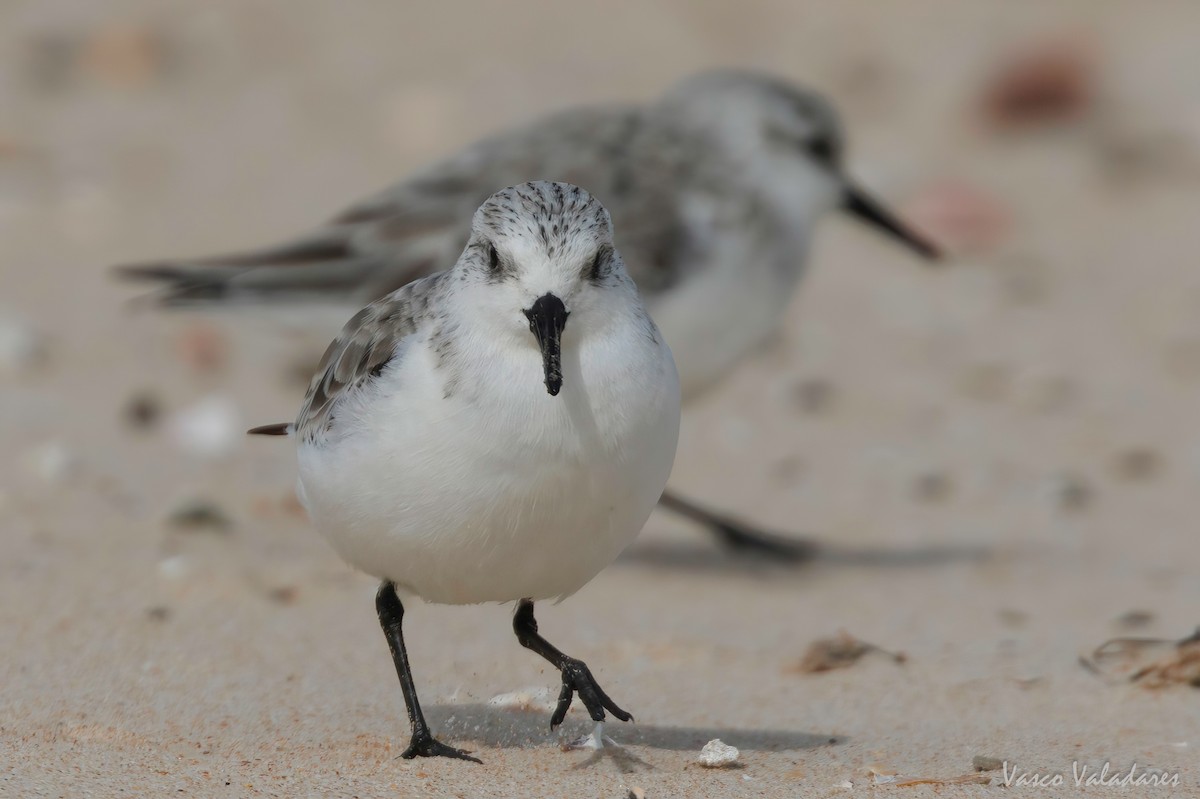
[(365, 346)]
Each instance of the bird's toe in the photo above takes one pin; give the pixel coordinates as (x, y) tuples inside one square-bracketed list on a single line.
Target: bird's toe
[(425, 745)]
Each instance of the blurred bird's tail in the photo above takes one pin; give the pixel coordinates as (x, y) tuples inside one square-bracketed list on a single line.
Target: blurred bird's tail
[(323, 268)]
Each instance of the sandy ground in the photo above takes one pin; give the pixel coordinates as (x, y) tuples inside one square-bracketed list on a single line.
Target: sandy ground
[(998, 458)]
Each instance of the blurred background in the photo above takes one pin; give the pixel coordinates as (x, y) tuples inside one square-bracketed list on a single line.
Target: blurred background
[(998, 456)]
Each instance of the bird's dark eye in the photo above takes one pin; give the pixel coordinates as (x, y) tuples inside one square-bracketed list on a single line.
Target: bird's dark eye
[(493, 258), (822, 148), (596, 271)]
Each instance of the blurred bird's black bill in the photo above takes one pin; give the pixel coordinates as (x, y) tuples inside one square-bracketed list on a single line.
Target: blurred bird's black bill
[(866, 208)]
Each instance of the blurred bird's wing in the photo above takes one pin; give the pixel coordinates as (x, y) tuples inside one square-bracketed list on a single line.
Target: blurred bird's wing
[(420, 225)]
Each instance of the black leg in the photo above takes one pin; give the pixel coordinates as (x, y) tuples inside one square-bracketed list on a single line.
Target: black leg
[(575, 674), (738, 535), (391, 617)]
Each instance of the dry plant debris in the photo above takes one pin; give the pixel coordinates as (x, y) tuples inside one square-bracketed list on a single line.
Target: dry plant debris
[(1124, 659), (826, 654)]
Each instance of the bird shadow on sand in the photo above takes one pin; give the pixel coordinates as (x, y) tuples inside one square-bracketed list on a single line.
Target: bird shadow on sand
[(506, 728), (699, 557)]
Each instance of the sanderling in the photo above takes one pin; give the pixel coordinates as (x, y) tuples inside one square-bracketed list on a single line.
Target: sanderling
[(714, 190), (441, 452)]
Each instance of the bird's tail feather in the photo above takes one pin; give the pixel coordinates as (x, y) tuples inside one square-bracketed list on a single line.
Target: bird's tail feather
[(320, 268), (279, 429)]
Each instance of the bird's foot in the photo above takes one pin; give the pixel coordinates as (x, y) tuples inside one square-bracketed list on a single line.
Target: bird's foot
[(425, 745), (577, 678)]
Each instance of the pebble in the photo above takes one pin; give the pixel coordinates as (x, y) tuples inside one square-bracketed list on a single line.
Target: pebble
[(986, 763), (142, 411), (1070, 492), (717, 754), (200, 514), (21, 346), (1137, 464), (52, 462), (284, 594), (1134, 619)]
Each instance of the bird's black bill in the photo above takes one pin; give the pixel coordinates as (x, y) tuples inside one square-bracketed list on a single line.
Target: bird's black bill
[(862, 205), (547, 318)]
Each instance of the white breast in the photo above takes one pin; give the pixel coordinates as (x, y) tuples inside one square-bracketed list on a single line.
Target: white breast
[(500, 491), (729, 300)]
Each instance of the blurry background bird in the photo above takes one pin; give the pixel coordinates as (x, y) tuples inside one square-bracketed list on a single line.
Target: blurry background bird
[(715, 190)]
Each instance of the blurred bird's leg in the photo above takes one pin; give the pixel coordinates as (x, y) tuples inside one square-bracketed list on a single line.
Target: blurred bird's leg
[(738, 535)]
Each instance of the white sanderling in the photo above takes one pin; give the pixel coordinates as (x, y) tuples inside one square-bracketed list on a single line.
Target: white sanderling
[(440, 451), (715, 190)]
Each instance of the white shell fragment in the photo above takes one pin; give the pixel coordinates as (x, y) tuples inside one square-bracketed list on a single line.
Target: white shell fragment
[(540, 698), (210, 428), (716, 754)]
